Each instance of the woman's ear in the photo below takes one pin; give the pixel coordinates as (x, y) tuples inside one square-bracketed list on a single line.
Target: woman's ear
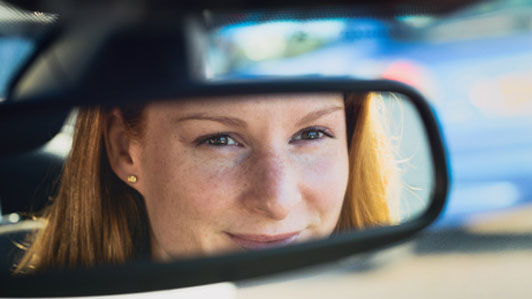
[(122, 150)]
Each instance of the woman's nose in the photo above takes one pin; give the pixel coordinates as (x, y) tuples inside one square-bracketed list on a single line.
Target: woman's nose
[(274, 186)]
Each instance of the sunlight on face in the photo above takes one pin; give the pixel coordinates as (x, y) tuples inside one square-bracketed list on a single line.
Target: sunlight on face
[(242, 173)]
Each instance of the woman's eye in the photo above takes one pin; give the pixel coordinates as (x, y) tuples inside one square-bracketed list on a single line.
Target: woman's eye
[(220, 140), (311, 134)]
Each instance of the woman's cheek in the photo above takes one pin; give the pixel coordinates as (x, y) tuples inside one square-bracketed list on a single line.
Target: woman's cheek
[(325, 179), (208, 186)]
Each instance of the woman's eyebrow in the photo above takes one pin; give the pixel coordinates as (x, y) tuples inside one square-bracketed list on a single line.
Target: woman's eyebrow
[(312, 116), (230, 121)]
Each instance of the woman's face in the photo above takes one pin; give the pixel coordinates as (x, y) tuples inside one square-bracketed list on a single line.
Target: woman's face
[(241, 173)]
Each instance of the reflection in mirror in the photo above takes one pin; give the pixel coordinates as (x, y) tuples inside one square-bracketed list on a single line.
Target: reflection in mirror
[(207, 176)]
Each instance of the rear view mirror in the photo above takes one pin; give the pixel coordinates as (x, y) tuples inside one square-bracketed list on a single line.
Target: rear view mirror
[(217, 179)]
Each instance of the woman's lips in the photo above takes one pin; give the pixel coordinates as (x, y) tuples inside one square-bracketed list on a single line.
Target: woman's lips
[(254, 242)]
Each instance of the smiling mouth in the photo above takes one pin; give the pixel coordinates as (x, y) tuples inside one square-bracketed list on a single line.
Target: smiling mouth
[(256, 242)]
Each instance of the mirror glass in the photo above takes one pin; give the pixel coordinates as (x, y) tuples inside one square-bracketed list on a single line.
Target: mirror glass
[(200, 177)]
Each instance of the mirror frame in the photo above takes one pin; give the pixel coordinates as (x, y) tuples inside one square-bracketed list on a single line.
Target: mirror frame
[(146, 276)]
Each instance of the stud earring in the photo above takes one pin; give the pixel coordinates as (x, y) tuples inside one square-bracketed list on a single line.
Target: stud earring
[(132, 179)]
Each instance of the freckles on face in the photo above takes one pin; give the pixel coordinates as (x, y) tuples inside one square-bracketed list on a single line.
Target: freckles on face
[(242, 174), (325, 180)]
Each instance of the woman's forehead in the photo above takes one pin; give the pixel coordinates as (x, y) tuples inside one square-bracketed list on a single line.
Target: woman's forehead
[(293, 103)]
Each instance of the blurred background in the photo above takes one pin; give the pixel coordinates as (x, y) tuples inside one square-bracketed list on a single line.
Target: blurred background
[(474, 66)]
